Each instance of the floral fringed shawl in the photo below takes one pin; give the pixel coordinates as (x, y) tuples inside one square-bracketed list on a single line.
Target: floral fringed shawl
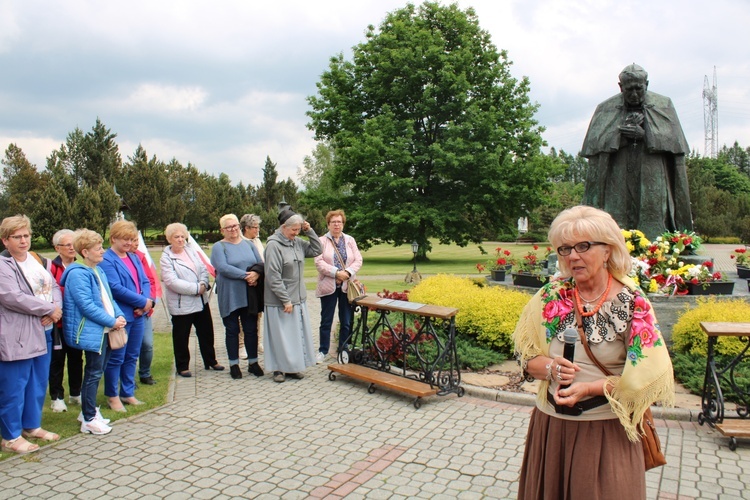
[(647, 376)]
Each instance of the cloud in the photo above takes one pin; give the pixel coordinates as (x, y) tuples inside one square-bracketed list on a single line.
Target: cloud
[(156, 98)]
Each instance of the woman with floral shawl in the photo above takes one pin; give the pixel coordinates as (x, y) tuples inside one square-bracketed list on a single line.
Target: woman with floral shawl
[(583, 437)]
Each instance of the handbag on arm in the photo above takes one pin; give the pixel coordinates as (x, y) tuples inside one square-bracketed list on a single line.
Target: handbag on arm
[(356, 289), (652, 454)]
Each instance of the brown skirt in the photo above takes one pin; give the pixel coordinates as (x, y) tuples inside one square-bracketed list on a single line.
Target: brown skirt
[(567, 459)]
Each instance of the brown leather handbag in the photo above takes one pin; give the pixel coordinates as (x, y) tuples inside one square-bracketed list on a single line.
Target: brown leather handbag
[(652, 454)]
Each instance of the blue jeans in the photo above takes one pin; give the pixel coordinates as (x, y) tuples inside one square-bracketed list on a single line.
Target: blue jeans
[(92, 374), (23, 387), (232, 331), (147, 348), (327, 308), (120, 370)]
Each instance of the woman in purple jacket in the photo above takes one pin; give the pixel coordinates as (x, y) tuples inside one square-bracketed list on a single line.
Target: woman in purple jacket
[(30, 304)]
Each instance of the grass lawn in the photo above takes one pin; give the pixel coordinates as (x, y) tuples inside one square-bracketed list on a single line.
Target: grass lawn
[(66, 424)]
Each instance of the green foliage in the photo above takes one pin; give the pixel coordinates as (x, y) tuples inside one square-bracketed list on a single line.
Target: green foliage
[(689, 338), (430, 130), (725, 240), (690, 370), (488, 314), (471, 355)]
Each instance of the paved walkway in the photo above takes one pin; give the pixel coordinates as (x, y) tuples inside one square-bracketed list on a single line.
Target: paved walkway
[(313, 438)]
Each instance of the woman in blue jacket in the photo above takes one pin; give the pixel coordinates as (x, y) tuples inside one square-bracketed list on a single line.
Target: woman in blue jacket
[(132, 291), (90, 312)]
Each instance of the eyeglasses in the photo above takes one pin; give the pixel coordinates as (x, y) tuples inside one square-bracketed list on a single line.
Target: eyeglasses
[(19, 237), (336, 222), (581, 247), (66, 245), (253, 227), (233, 227)]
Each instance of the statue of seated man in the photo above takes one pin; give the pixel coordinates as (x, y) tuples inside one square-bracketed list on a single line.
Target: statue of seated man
[(636, 152)]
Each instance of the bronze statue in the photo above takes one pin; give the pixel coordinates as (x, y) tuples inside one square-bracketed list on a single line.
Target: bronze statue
[(636, 151)]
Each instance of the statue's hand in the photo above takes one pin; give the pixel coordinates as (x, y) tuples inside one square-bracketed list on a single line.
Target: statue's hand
[(632, 131)]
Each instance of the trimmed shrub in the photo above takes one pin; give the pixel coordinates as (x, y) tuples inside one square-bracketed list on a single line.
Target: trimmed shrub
[(689, 338), (489, 314)]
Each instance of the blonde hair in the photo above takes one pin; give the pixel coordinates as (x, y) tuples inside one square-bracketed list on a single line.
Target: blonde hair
[(227, 217), (86, 239), (173, 228), (12, 224), (581, 222), (123, 230)]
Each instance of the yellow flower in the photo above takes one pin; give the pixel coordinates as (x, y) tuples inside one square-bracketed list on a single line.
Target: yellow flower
[(630, 246), (644, 243), (653, 286), (626, 234)]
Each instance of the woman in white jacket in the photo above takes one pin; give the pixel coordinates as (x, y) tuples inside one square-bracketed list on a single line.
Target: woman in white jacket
[(339, 261), (186, 283)]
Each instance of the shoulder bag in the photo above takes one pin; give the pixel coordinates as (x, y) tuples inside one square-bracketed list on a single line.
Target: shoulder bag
[(118, 337), (652, 454), (355, 289)]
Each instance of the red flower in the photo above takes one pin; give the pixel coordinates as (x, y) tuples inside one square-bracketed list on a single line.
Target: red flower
[(740, 250), (694, 281), (501, 262), (717, 276), (708, 264), (536, 247), (675, 239), (480, 267), (731, 256), (506, 252)]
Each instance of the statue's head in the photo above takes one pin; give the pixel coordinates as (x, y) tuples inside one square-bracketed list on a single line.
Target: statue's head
[(633, 84)]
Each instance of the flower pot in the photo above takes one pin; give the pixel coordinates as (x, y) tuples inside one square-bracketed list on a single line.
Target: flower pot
[(498, 274), (529, 280), (711, 288), (743, 272)]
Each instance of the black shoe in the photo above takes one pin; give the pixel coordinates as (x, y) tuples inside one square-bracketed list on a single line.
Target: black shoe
[(255, 369), (185, 373), (235, 371), (216, 367), (298, 376), (148, 380)]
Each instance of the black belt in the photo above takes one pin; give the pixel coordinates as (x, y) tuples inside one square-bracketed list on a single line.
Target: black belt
[(579, 407)]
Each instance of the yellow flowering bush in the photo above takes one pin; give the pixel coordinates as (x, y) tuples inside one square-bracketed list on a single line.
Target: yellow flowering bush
[(489, 314), (689, 337)]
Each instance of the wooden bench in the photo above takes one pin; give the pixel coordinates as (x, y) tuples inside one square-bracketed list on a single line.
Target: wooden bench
[(384, 379), (712, 398)]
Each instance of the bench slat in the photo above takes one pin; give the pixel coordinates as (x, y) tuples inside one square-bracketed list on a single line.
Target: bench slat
[(736, 428), (389, 380)]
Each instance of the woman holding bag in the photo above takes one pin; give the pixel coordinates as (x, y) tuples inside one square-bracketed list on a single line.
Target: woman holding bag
[(338, 263), (90, 312)]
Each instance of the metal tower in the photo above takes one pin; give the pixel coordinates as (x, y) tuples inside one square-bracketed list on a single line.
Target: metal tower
[(711, 117)]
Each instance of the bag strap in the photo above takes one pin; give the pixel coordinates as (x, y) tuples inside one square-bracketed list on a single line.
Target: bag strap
[(335, 249), (585, 342)]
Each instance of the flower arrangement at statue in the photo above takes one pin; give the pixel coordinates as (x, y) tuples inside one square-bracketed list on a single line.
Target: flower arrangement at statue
[(741, 257), (702, 274), (530, 264), (681, 242), (501, 260), (635, 240)]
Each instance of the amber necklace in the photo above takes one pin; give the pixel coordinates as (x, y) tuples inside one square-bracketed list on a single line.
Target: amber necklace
[(602, 298)]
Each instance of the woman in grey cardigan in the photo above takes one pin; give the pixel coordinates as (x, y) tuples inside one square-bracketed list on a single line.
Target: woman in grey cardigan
[(186, 286), (286, 323)]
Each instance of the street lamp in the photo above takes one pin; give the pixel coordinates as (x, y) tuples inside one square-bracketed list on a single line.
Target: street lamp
[(414, 276)]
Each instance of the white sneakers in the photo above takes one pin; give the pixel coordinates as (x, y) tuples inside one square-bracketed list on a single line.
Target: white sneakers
[(74, 400), (58, 406), (320, 358), (98, 416), (95, 427)]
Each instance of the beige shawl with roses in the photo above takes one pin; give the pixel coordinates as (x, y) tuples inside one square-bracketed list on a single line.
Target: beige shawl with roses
[(647, 377)]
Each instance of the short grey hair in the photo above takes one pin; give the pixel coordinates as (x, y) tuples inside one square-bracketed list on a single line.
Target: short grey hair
[(294, 220), (249, 220), (60, 235), (173, 228)]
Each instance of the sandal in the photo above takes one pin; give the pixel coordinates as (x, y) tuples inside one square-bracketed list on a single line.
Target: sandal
[(40, 433), (19, 445)]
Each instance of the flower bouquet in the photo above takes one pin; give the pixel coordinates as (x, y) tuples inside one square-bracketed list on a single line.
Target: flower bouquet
[(702, 280), (680, 242), (498, 265)]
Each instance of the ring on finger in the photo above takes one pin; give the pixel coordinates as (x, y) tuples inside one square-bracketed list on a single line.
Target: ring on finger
[(559, 368), (559, 376)]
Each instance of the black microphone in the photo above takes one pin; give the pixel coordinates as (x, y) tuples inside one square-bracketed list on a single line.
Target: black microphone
[(570, 335)]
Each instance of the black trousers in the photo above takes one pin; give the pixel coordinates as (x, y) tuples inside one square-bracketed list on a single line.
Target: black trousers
[(204, 330), (57, 369)]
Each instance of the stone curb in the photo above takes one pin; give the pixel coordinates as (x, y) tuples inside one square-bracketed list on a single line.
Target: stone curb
[(525, 399)]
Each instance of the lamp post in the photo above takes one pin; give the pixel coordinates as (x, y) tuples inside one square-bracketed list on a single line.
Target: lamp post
[(414, 276)]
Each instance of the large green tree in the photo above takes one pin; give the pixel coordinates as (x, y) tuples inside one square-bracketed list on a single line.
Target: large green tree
[(21, 183), (430, 130)]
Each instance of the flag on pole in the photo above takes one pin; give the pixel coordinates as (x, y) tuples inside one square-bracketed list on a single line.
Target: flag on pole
[(202, 255), (151, 266)]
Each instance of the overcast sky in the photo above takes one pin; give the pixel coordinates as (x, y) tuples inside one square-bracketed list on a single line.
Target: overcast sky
[(223, 84)]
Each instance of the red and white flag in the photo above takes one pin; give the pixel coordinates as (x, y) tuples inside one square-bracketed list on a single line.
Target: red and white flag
[(156, 282), (202, 255)]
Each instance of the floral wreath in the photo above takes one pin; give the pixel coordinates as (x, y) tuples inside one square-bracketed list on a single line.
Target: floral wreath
[(557, 303)]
